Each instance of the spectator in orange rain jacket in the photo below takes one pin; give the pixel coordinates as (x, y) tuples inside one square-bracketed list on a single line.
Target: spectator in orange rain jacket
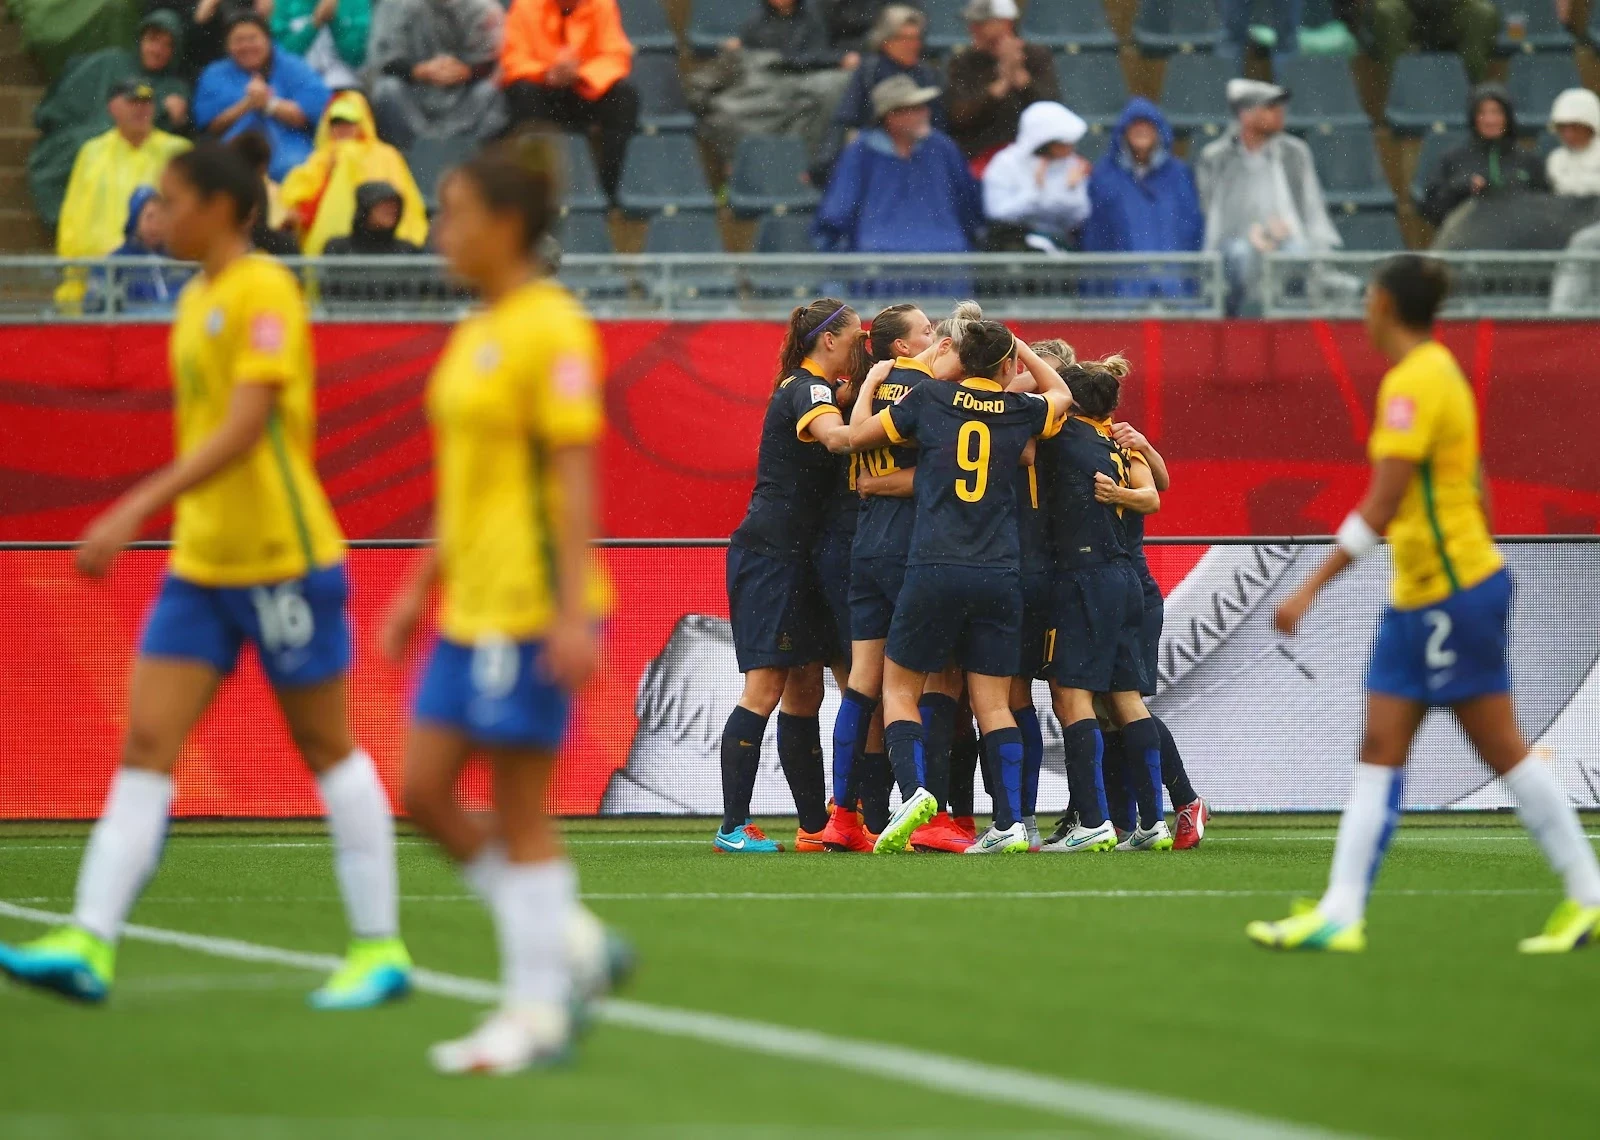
[(567, 62)]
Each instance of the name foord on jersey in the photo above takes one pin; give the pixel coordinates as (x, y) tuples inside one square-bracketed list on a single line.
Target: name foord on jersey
[(995, 406)]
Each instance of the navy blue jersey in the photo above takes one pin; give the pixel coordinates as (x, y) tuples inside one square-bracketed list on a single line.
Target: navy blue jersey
[(1133, 523), (795, 479), (883, 529), (843, 508), (1082, 531), (971, 436), (1033, 544)]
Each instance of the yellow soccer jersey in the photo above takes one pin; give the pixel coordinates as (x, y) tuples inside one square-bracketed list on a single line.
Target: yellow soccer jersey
[(1440, 537), (514, 383), (265, 518)]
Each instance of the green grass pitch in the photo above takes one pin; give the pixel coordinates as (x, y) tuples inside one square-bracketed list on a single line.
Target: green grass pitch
[(1123, 972)]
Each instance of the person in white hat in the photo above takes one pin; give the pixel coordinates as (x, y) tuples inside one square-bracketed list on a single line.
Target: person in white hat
[(992, 80), (1040, 184), (1574, 166)]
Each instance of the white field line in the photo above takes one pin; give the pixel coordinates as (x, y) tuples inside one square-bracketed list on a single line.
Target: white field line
[(1140, 1112)]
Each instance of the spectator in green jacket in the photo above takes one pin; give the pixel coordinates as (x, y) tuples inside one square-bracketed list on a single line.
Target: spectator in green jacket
[(330, 35)]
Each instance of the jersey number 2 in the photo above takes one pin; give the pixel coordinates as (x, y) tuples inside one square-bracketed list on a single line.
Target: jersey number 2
[(1439, 627), (977, 464)]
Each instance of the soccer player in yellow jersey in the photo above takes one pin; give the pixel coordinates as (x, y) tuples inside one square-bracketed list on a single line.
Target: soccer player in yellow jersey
[(1442, 641), (257, 557), (516, 409)]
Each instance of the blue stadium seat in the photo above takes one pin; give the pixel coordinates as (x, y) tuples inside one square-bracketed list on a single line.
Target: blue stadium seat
[(1171, 27), (1428, 92), (662, 173), (587, 233), (769, 175), (713, 22), (1534, 83), (662, 106), (1092, 84), (584, 233), (1094, 144), (946, 29), (1195, 96), (583, 181), (1370, 231), (1324, 92), (1349, 169), (1434, 147), (646, 26), (784, 233), (1072, 26), (695, 232), (429, 158), (1542, 31)]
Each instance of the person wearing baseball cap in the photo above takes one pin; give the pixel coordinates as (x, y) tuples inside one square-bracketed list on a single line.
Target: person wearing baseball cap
[(902, 186), (994, 79)]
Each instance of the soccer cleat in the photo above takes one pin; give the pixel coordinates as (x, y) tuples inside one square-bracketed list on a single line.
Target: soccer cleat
[(1012, 841), (810, 842), (68, 960), (746, 840), (375, 971), (909, 816), (1190, 828), (1157, 838), (1031, 824), (1078, 838), (966, 825), (508, 1041), (846, 832), (1571, 925), (940, 834), (1307, 928)]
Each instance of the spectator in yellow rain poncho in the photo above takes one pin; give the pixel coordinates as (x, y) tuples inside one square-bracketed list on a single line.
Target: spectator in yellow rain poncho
[(321, 192)]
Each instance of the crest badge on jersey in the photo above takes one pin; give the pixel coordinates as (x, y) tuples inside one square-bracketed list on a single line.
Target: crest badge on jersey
[(488, 358), (821, 394), (267, 333), (1400, 413), (214, 322)]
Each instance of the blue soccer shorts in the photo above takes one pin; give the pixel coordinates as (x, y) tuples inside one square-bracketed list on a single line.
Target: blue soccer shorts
[(495, 693), (1448, 653)]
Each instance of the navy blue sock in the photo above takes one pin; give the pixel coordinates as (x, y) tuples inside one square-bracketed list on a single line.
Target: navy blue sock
[(800, 754), (741, 757), (1123, 806), (938, 729), (849, 741), (963, 768), (1141, 744), (1173, 773), (904, 738), (1002, 749), (1084, 749), (874, 784), (1032, 756)]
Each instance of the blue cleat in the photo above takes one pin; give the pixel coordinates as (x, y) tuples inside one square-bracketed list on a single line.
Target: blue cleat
[(746, 840), (375, 971), (68, 960)]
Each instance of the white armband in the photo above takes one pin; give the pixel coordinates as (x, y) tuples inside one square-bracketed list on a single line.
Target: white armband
[(1355, 537)]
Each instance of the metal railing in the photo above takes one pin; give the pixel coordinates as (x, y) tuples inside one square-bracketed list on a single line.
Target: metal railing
[(1532, 285)]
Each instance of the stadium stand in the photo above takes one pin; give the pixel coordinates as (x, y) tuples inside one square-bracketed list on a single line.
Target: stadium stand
[(646, 24), (1370, 231), (1351, 172), (1069, 27), (769, 175), (784, 233), (1435, 145), (1195, 94), (714, 22), (1534, 82), (1093, 85), (1542, 31), (946, 29), (662, 105), (1428, 91), (584, 232), (1173, 27), (429, 158), (693, 231), (582, 179), (1324, 92), (663, 173)]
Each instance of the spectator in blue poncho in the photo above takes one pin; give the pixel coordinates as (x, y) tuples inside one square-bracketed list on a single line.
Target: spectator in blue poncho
[(147, 288), (902, 186), (1142, 197), (259, 86)]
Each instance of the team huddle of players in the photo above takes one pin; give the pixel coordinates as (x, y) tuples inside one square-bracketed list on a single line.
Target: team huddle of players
[(944, 514)]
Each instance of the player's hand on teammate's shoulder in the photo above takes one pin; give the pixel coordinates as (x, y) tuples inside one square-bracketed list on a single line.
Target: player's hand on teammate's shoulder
[(1106, 489), (875, 376), (1128, 437)]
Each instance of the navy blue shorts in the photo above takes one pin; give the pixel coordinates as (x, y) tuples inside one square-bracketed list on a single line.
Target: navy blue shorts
[(1449, 653), (1036, 594), (300, 628), (830, 567), (779, 616), (874, 589), (1155, 613), (971, 615), (493, 693), (1098, 622)]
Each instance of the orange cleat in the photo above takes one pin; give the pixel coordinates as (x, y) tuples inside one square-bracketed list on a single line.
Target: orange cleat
[(846, 832), (1191, 825), (940, 833), (809, 842), (967, 826)]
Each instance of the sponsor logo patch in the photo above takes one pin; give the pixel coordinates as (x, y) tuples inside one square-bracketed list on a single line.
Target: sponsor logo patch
[(1400, 413), (573, 377), (267, 333)]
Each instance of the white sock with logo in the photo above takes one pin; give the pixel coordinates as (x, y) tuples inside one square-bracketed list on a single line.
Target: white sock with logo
[(1550, 818), (124, 850), (533, 911), (1365, 828), (362, 826)]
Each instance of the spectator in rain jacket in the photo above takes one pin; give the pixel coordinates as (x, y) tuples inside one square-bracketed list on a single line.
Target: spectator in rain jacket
[(1038, 187), (151, 288), (1489, 162), (433, 70), (1574, 167), (261, 87), (330, 35)]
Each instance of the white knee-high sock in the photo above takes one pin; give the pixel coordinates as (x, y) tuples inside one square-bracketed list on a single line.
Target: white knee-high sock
[(1365, 829), (1549, 817), (586, 934), (124, 850), (483, 871), (533, 912), (363, 845)]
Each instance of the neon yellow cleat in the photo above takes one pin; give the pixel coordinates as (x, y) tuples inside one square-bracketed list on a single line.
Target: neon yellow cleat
[(1307, 928), (68, 960), (375, 971), (1571, 926)]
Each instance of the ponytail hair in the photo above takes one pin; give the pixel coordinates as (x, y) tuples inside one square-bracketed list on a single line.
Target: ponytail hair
[(893, 324), (806, 325), (1096, 386), (1056, 352), (955, 326), (1116, 364), (986, 347)]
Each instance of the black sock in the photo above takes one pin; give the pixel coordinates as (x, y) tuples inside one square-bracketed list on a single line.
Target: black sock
[(1120, 802), (873, 785), (904, 738), (1083, 745), (963, 768), (741, 757), (800, 754), (1002, 752), (1141, 744), (938, 728), (1173, 773)]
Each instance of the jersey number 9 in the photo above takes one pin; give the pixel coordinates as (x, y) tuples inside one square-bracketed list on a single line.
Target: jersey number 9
[(977, 463)]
